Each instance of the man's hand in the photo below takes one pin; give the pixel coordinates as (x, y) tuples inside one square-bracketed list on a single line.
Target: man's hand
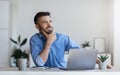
[(50, 37)]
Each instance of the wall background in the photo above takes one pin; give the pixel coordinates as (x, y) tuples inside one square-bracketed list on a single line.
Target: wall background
[(116, 45), (4, 33), (80, 19)]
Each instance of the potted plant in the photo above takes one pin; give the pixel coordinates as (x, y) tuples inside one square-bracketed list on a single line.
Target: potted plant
[(86, 45), (103, 63), (19, 54)]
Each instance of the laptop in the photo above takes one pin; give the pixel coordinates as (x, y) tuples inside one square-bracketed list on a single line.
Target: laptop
[(82, 59)]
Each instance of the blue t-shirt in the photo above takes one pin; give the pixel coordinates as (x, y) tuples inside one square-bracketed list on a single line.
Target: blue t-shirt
[(56, 55)]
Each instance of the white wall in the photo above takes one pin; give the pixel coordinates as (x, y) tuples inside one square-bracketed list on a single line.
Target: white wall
[(80, 19), (14, 18), (111, 28), (117, 34), (4, 32)]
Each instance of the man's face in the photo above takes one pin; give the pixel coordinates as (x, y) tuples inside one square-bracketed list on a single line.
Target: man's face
[(44, 23)]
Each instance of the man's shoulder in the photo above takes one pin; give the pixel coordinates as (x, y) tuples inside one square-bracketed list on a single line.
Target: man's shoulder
[(34, 36), (60, 34)]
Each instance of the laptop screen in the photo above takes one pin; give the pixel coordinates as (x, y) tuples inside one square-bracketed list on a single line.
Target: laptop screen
[(82, 59)]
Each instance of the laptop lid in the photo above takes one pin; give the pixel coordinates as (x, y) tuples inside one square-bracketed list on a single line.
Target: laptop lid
[(82, 59)]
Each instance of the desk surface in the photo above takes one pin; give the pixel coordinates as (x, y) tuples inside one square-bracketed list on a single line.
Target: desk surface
[(52, 69)]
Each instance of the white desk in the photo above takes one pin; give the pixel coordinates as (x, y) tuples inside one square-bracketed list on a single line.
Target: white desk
[(54, 69)]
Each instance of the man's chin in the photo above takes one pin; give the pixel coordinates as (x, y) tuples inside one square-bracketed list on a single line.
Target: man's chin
[(49, 32)]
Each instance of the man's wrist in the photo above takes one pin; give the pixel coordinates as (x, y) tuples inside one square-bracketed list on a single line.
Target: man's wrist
[(47, 45), (49, 42)]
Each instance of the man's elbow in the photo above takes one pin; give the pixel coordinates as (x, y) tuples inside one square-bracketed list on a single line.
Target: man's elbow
[(39, 61)]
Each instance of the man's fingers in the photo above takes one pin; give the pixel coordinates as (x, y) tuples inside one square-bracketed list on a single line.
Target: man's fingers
[(44, 33)]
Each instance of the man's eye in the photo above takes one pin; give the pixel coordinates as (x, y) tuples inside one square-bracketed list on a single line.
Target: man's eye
[(50, 20)]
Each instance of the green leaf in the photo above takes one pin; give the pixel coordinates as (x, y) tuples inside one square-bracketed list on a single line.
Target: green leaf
[(19, 39), (23, 42), (24, 55), (13, 41), (103, 58), (86, 44), (17, 54)]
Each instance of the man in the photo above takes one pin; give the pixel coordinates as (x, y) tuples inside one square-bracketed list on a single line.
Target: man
[(48, 47)]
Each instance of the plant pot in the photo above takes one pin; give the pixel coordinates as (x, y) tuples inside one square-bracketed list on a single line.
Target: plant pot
[(87, 47), (22, 64), (12, 62), (103, 65)]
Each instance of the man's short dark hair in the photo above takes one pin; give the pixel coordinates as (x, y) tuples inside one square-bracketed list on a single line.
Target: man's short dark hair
[(39, 14)]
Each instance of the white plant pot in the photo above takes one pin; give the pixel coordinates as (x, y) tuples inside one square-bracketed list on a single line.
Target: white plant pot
[(87, 47), (22, 64), (103, 65), (12, 62)]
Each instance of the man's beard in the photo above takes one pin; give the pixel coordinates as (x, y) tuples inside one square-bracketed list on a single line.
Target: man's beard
[(50, 30)]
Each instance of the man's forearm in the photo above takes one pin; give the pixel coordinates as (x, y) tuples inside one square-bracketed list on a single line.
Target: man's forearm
[(50, 39), (44, 53)]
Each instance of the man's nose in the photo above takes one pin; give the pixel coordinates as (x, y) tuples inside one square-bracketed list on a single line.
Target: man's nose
[(49, 24)]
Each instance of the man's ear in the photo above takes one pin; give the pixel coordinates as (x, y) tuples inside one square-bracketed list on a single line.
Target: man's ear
[(36, 25)]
